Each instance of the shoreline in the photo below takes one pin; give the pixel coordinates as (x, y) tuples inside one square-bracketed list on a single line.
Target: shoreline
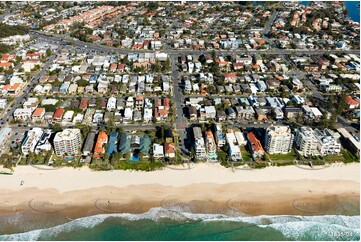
[(59, 196), (287, 197)]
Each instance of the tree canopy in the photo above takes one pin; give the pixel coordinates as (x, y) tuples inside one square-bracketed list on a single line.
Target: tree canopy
[(9, 30)]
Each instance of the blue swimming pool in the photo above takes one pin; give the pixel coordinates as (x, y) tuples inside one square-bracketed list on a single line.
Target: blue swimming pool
[(134, 158)]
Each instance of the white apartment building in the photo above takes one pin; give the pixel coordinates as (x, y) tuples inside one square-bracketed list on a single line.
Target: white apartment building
[(67, 142), (278, 140), (199, 144), (22, 114), (241, 139), (5, 134), (306, 142), (219, 136), (234, 150), (44, 144), (32, 138), (327, 142)]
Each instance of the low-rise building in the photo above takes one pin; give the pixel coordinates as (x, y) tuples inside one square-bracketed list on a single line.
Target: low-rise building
[(158, 151), (44, 143), (89, 144), (111, 104), (255, 146), (58, 114), (99, 145), (169, 150), (32, 138), (113, 143), (327, 142), (38, 115), (234, 149)]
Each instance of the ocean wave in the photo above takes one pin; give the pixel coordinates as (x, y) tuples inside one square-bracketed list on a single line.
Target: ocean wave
[(292, 227)]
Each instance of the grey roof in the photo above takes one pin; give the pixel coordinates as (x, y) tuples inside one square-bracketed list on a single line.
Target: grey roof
[(89, 142)]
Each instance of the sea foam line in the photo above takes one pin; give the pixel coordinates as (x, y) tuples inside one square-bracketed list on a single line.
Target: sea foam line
[(290, 226)]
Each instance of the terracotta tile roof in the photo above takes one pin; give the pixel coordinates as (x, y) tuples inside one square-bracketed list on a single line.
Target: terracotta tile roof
[(38, 112), (256, 144), (230, 75), (59, 112), (83, 104), (351, 101), (166, 102), (6, 87), (139, 98), (101, 140), (6, 64), (14, 87), (169, 148)]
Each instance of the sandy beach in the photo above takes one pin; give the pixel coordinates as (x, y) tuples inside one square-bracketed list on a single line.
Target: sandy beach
[(204, 182), (70, 179), (206, 188)]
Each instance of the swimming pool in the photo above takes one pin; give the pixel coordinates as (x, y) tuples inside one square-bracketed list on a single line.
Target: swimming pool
[(134, 158)]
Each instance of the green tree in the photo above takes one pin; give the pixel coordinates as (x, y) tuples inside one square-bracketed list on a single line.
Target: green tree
[(48, 52), (49, 108), (57, 128), (82, 83), (167, 64)]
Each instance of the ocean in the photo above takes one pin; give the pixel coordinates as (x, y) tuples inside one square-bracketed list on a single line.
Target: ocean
[(353, 10), (351, 6), (160, 224)]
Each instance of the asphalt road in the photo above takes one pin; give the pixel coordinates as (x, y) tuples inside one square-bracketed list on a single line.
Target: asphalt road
[(270, 22), (110, 49), (4, 15), (181, 121)]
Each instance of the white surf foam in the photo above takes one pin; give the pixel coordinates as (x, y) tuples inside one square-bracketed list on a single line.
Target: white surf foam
[(292, 227)]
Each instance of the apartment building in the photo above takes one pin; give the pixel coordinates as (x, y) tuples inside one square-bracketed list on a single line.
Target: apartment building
[(352, 143), (278, 140), (211, 146), (32, 138), (22, 114), (327, 142), (5, 134), (219, 136), (234, 150), (67, 142), (199, 144), (306, 142), (44, 143)]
